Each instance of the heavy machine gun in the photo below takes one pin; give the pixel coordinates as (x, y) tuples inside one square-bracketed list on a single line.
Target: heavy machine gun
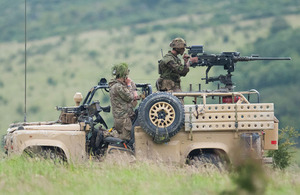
[(225, 59)]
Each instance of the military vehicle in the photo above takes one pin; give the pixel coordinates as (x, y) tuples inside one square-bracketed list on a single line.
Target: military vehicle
[(215, 127), (164, 129)]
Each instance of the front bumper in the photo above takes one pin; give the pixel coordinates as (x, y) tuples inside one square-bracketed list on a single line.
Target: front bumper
[(267, 160)]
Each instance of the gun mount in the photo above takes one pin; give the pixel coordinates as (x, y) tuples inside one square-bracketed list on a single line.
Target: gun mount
[(225, 59)]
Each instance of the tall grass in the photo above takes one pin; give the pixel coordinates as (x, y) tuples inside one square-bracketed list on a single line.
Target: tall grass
[(32, 176), (19, 175)]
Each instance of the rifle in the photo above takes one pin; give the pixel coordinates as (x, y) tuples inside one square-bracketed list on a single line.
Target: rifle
[(225, 59)]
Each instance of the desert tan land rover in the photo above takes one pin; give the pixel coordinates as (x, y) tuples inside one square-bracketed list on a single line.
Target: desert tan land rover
[(187, 127), (212, 127)]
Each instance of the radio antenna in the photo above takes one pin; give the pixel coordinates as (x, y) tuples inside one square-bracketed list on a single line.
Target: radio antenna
[(162, 55), (25, 37)]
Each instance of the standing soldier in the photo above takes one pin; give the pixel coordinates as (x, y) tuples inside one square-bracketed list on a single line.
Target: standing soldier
[(123, 97), (171, 68)]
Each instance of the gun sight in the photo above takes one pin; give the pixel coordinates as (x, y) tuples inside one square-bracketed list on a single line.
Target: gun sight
[(194, 50)]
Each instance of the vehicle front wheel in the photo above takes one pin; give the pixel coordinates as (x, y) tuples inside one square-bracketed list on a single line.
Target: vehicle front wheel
[(54, 154)]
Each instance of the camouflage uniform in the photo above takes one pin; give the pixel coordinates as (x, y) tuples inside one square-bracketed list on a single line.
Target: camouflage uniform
[(122, 102), (170, 70)]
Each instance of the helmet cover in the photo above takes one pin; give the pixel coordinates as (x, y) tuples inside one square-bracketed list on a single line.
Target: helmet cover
[(120, 70), (178, 43)]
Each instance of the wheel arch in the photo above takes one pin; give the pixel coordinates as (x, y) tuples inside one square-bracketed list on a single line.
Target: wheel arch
[(212, 148), (48, 143)]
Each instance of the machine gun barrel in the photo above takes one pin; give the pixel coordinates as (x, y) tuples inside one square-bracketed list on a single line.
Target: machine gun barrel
[(253, 58)]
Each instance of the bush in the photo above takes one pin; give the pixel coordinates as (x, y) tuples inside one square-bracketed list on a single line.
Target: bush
[(93, 54), (20, 110), (249, 177), (34, 109), (279, 24), (51, 81), (282, 157), (172, 34), (3, 100)]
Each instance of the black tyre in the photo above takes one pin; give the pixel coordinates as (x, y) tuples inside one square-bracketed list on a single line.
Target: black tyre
[(161, 115), (209, 161), (51, 153)]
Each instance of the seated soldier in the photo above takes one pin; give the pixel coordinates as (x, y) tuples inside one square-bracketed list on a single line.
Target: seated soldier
[(123, 97)]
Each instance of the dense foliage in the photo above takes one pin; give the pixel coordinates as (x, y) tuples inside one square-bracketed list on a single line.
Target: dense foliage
[(55, 17), (283, 157)]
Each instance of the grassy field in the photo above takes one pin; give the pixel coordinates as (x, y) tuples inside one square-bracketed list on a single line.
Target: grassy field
[(20, 175)]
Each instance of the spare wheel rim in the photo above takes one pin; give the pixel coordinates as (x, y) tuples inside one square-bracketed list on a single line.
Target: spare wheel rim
[(162, 114)]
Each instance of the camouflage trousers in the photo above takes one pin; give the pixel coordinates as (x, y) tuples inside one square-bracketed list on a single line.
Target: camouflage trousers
[(123, 126), (167, 85)]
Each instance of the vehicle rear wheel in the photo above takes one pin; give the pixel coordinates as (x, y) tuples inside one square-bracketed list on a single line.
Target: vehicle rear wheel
[(161, 115), (208, 161)]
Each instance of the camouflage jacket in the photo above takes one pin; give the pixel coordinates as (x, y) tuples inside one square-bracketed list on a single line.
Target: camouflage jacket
[(170, 67), (121, 98)]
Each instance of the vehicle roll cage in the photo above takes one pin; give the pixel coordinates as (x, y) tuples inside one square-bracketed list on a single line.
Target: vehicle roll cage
[(145, 88)]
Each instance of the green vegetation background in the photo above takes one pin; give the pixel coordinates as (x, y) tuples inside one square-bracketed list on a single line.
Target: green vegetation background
[(72, 44)]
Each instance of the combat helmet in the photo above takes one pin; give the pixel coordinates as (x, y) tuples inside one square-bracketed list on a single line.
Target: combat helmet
[(178, 43), (120, 70)]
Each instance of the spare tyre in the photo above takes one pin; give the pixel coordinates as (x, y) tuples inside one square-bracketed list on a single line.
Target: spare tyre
[(161, 115)]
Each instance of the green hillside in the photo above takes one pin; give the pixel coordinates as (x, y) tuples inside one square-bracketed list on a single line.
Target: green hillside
[(72, 44), (55, 17)]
